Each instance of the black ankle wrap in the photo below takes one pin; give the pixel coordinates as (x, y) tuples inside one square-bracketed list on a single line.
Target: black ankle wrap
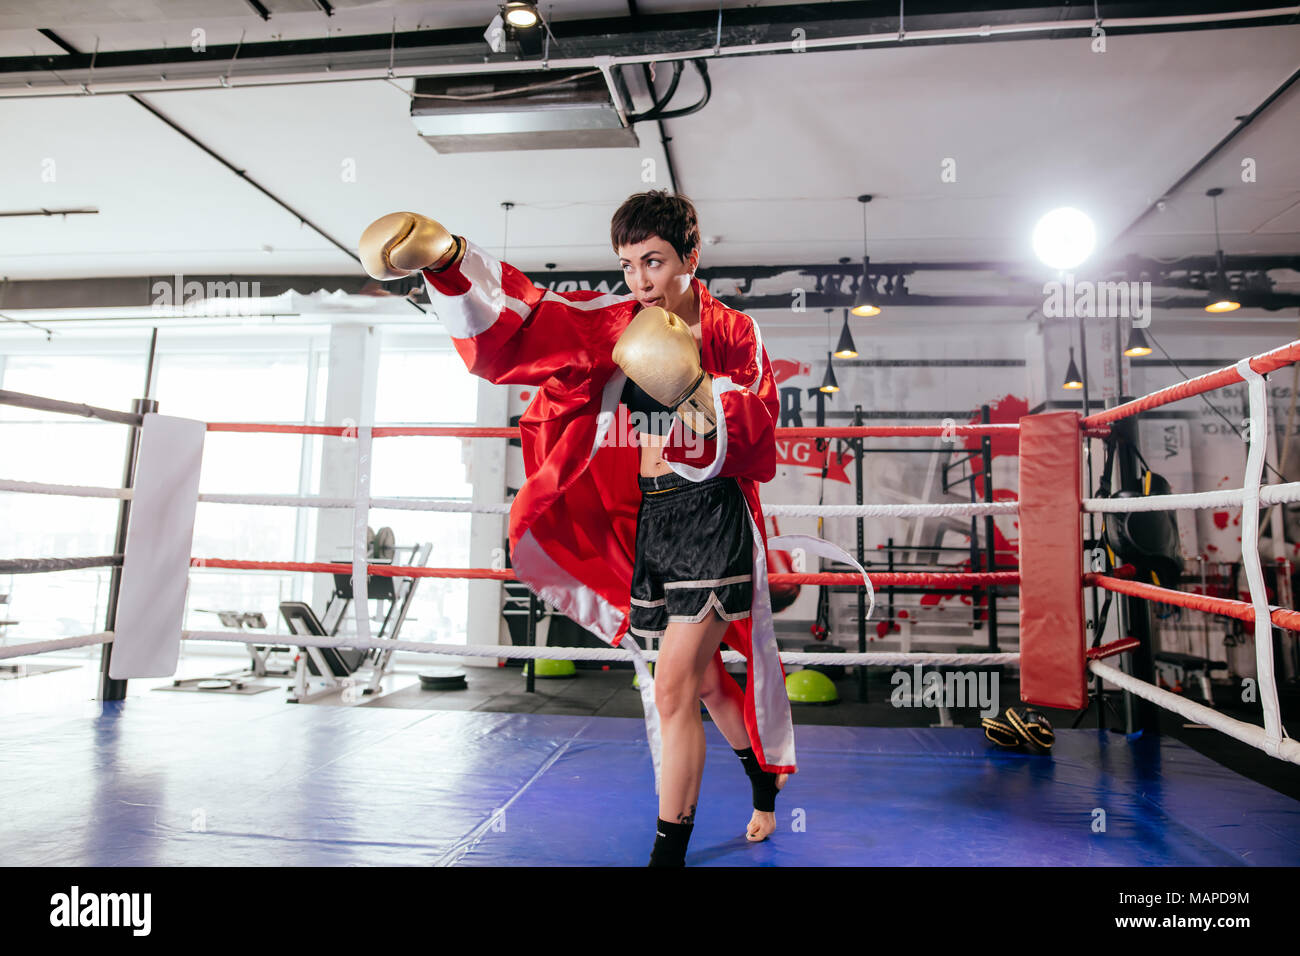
[(761, 782), (670, 843)]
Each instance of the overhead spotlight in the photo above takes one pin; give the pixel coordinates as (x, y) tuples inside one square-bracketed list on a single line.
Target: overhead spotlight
[(1219, 298), (1063, 238), (829, 384), (1073, 379), (1137, 344), (521, 15), (865, 303), (846, 349)]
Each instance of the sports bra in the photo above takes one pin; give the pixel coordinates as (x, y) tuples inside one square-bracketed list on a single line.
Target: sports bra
[(656, 418)]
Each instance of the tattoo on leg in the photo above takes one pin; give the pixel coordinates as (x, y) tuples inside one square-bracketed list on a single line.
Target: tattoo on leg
[(688, 816)]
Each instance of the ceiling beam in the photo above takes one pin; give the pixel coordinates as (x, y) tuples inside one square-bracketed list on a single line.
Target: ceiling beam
[(768, 30)]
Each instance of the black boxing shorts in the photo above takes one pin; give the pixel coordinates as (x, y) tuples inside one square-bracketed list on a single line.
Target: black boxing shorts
[(694, 553)]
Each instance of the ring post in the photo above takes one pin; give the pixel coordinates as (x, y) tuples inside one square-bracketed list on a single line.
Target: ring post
[(110, 689), (1052, 665)]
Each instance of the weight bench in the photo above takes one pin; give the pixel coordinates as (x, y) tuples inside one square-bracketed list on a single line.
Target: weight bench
[(1184, 666)]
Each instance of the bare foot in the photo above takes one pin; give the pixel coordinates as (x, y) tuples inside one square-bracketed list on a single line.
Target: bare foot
[(763, 824)]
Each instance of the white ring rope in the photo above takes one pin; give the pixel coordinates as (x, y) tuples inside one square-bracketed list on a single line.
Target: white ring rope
[(395, 504), (79, 491), (937, 509), (929, 509), (1268, 495), (1285, 749), (42, 647), (922, 510), (579, 653)]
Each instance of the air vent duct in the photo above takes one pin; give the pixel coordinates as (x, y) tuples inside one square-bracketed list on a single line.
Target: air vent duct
[(518, 112)]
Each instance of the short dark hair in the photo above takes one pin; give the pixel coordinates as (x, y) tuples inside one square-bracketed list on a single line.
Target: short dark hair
[(656, 213)]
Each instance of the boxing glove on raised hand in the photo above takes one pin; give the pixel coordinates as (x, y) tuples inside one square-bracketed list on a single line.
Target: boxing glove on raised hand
[(658, 352), (401, 243)]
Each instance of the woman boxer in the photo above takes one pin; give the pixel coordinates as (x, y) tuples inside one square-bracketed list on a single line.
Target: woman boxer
[(690, 559), (694, 543)]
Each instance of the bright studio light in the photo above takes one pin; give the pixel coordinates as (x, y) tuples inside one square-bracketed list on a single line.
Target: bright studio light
[(520, 14), (1064, 238)]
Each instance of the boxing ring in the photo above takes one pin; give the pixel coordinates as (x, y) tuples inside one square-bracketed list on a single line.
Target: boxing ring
[(171, 776)]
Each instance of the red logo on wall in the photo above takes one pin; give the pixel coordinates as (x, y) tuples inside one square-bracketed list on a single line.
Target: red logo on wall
[(803, 453), (784, 368)]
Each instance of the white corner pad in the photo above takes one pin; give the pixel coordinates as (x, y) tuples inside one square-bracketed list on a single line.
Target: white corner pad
[(159, 540)]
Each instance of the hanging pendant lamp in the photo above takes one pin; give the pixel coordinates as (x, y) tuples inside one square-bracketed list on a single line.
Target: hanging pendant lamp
[(1073, 379), (1137, 344), (1219, 298), (828, 383), (846, 349), (865, 303)]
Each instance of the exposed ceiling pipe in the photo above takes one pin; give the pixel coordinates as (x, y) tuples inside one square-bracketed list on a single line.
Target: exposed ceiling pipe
[(1242, 123), (370, 57), (242, 174), (664, 138)]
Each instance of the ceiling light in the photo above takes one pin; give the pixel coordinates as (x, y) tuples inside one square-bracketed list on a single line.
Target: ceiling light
[(521, 15), (1063, 238), (846, 349), (1137, 344), (1219, 299), (864, 304), (1073, 379), (828, 383)]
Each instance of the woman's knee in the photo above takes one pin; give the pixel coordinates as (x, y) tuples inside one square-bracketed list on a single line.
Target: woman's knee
[(677, 687), (674, 696), (687, 668)]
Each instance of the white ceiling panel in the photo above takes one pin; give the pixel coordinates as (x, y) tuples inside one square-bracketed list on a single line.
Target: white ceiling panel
[(774, 161)]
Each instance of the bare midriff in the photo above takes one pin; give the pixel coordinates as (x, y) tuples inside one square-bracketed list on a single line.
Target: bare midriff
[(652, 458)]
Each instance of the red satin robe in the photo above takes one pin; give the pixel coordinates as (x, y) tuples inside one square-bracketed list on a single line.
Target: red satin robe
[(572, 527)]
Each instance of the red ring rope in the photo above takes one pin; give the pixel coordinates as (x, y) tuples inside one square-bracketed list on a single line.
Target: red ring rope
[(1263, 363), (882, 579), (1199, 602)]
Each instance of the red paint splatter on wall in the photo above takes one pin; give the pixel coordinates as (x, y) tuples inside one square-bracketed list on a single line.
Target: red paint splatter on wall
[(1220, 519), (1005, 410)]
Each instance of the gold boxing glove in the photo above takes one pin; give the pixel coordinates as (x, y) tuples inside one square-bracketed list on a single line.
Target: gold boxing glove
[(658, 352), (401, 243)]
